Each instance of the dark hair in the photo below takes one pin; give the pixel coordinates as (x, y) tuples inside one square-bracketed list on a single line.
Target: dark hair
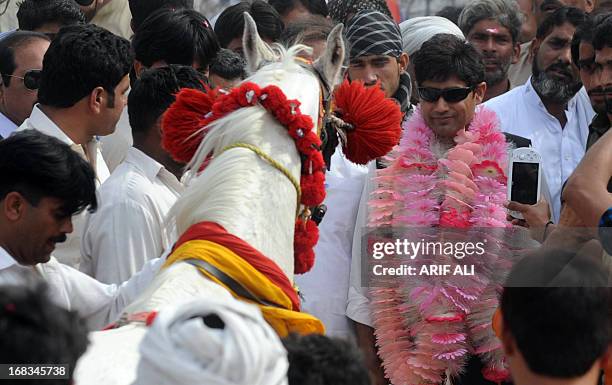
[(584, 33), (36, 331), (451, 13), (9, 45), (181, 36), (602, 34), (574, 16), (505, 12), (141, 9), (79, 59), (155, 91), (228, 65), (555, 305), (445, 55), (308, 29), (33, 14), (315, 7), (230, 24), (319, 360), (37, 166)]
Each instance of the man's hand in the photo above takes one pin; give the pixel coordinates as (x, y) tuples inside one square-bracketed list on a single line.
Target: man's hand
[(536, 217), (367, 345)]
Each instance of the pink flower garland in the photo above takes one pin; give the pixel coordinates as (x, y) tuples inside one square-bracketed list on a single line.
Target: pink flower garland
[(425, 333)]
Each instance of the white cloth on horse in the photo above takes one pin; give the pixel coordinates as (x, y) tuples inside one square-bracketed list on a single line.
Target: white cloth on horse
[(182, 349)]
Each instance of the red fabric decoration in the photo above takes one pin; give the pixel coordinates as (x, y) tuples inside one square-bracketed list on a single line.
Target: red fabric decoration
[(313, 190), (376, 120), (183, 119)]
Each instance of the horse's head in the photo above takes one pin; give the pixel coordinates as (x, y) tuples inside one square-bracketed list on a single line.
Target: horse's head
[(309, 83)]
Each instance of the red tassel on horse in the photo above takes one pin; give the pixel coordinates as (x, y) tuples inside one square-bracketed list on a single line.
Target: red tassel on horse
[(376, 121)]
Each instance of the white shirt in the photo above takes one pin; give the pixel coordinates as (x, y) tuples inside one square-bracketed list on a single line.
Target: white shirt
[(69, 252), (325, 287), (128, 228), (358, 301), (6, 126), (98, 303), (521, 112)]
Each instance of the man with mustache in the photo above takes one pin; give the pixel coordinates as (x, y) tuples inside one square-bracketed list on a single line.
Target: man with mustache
[(493, 27), (521, 71), (602, 71), (44, 184), (551, 109)]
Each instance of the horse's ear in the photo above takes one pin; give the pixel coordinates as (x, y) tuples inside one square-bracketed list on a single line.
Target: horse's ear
[(255, 50), (329, 65)]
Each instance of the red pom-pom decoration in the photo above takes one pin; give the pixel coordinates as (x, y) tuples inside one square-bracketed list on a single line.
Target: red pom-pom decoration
[(305, 239), (376, 120), (185, 117)]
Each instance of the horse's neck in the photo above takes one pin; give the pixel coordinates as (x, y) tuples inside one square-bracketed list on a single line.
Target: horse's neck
[(246, 195)]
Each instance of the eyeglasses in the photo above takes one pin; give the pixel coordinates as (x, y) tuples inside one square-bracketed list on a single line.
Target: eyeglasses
[(451, 95), (31, 79)]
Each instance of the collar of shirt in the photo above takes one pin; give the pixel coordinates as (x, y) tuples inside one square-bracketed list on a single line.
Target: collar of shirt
[(532, 98), (6, 260), (152, 169), (40, 121), (6, 126)]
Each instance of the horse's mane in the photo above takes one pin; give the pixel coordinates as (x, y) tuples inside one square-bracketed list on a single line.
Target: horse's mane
[(246, 125)]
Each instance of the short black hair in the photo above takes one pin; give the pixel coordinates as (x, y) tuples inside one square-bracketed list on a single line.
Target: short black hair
[(228, 65), (602, 34), (38, 166), (574, 16), (9, 45), (320, 360), (79, 59), (36, 331), (230, 24), (155, 90), (141, 9), (584, 33), (555, 305), (315, 7), (33, 14), (176, 36), (308, 29), (446, 55), (451, 13)]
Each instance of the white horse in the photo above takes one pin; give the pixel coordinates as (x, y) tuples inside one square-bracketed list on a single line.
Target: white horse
[(238, 190)]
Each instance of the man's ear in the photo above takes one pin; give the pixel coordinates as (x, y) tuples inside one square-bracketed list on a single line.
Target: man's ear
[(589, 6), (535, 47), (479, 92), (13, 206), (403, 61), (507, 340), (516, 54), (97, 100), (138, 68)]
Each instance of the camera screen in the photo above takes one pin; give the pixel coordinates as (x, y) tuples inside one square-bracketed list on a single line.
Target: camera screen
[(525, 182)]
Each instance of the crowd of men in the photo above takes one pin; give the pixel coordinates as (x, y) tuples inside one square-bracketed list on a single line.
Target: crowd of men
[(85, 185)]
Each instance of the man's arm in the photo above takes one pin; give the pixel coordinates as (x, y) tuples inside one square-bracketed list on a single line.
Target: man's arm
[(586, 191)]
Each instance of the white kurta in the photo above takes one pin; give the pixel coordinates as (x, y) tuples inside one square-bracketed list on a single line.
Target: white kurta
[(7, 127), (128, 228), (97, 303), (521, 112), (69, 252), (325, 287)]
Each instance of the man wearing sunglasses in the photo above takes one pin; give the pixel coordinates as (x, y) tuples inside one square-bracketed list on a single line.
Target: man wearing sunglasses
[(21, 57)]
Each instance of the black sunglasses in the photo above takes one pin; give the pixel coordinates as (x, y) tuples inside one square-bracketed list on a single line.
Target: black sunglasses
[(451, 95), (31, 79)]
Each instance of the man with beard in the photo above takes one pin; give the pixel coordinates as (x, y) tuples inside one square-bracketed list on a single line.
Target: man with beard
[(521, 71), (583, 56), (493, 27), (602, 42), (549, 109)]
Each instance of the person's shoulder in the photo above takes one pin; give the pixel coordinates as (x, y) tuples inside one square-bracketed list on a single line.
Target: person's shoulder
[(125, 184), (504, 99)]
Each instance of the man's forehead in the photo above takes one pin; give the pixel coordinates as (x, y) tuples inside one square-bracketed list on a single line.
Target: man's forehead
[(370, 58), (489, 27), (603, 56), (562, 32)]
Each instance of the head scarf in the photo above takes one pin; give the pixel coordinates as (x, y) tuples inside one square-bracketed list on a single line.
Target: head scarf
[(340, 10), (373, 33), (212, 342), (418, 30)]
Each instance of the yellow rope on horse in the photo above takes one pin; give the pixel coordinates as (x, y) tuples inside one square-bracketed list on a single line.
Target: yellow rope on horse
[(272, 163)]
